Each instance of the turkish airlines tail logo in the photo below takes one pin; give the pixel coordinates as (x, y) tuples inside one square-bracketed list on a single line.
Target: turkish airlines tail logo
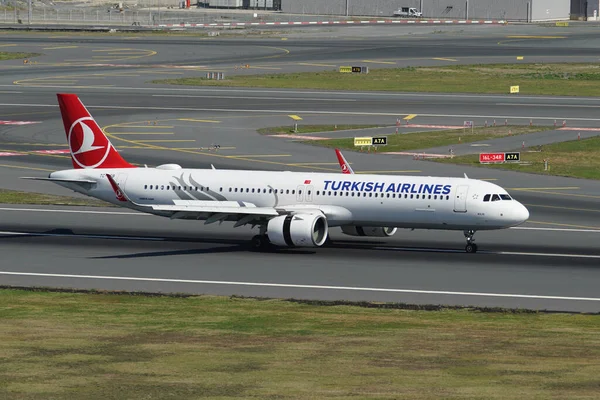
[(343, 163), (90, 148)]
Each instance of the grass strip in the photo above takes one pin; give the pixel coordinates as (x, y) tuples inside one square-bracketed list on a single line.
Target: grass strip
[(18, 197), (577, 159), (569, 79), (426, 140), (279, 130), (74, 345), (6, 55)]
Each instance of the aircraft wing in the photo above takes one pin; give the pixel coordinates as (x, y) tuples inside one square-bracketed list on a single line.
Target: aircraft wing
[(223, 207), (217, 211)]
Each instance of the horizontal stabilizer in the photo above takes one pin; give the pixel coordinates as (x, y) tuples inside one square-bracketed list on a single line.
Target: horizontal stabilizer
[(59, 179)]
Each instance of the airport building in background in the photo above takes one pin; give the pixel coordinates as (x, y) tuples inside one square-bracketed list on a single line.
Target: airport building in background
[(513, 10)]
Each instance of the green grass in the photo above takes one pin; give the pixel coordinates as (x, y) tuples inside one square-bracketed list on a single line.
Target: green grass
[(18, 197), (425, 140), (277, 130), (577, 158), (573, 79), (5, 55), (92, 346)]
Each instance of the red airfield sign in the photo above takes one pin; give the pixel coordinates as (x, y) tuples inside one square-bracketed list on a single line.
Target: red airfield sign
[(491, 157)]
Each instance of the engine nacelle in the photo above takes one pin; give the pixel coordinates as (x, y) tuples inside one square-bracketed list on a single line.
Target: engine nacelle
[(169, 166), (374, 231), (299, 230)]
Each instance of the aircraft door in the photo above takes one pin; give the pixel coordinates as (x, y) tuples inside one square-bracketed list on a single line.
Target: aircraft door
[(309, 193), (460, 201), (300, 193)]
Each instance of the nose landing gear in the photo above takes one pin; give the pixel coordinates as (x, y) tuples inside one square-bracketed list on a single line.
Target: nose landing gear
[(471, 247)]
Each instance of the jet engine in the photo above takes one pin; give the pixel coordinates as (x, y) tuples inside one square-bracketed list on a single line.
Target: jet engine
[(375, 231), (299, 230)]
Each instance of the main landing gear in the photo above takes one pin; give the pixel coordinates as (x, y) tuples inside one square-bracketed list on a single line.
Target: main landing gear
[(261, 241), (471, 247)]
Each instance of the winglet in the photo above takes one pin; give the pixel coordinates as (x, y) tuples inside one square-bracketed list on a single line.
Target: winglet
[(344, 165), (121, 196), (466, 177), (212, 166)]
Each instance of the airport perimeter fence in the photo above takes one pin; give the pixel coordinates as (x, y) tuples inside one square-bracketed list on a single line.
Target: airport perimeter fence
[(145, 14)]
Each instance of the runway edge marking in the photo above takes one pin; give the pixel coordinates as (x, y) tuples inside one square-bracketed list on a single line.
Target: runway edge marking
[(300, 286)]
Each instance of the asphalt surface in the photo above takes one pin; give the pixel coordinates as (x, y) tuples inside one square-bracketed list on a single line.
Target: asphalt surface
[(550, 263)]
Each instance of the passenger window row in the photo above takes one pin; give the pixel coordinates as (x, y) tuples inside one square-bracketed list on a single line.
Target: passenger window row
[(318, 192), (496, 197)]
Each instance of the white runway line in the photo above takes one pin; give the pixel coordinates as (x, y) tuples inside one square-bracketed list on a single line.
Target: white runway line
[(300, 286), (504, 253), (253, 98), (154, 239), (318, 112)]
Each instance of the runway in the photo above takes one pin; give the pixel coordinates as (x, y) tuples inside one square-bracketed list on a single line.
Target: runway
[(549, 263), (511, 270)]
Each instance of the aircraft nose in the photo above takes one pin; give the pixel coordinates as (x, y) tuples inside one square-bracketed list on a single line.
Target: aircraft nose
[(521, 213)]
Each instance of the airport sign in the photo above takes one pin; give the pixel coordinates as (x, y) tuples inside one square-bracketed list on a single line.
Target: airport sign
[(382, 140), (489, 158), (363, 141)]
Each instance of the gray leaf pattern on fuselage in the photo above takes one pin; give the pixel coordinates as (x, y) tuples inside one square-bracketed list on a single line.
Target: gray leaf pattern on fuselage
[(215, 195)]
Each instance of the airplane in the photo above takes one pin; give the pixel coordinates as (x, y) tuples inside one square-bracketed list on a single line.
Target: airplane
[(291, 209)]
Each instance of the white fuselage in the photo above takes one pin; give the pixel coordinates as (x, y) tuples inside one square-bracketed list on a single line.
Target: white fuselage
[(365, 200)]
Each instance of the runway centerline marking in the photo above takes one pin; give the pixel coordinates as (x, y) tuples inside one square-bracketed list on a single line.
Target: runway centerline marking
[(250, 97), (346, 94), (525, 228), (301, 286), (549, 105), (562, 208), (199, 120), (505, 253), (379, 62), (318, 65), (316, 112), (559, 224), (59, 47), (154, 239)]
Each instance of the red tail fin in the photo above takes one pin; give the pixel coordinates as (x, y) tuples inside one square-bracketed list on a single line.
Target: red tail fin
[(90, 148)]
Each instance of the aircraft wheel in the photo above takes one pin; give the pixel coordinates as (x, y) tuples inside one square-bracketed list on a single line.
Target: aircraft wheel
[(471, 248), (260, 242)]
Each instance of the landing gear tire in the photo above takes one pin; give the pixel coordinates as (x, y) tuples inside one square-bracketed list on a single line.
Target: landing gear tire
[(261, 242), (471, 248)]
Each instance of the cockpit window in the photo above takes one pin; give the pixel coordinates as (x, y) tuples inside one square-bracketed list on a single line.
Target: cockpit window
[(505, 197), (487, 197), (495, 197)]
